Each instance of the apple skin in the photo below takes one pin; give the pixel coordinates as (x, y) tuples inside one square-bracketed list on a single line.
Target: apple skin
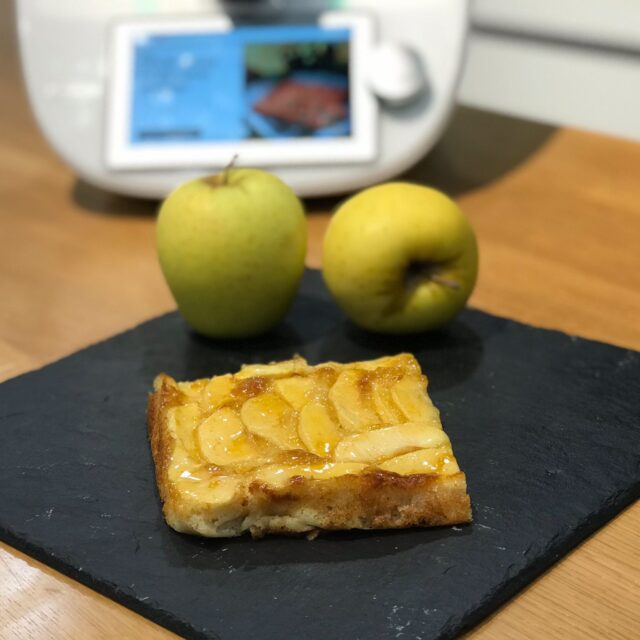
[(232, 249), (400, 258)]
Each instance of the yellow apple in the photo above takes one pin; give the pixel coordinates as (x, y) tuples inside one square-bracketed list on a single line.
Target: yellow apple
[(232, 249), (400, 258)]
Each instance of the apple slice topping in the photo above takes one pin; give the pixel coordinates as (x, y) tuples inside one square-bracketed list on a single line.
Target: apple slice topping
[(271, 418), (278, 475), (389, 442), (350, 398), (318, 432), (222, 439), (183, 421), (295, 390), (408, 394), (319, 423), (274, 370), (384, 403), (438, 460), (216, 392)]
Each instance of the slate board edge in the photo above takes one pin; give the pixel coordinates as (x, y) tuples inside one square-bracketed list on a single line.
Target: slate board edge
[(73, 354), (494, 601), (588, 527), (103, 588)]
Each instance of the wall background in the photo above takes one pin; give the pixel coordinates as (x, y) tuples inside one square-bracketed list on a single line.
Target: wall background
[(564, 62)]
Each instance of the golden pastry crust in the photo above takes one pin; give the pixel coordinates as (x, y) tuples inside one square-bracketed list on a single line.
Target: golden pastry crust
[(219, 501)]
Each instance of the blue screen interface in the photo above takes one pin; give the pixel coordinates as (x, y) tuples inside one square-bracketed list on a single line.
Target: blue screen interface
[(263, 82)]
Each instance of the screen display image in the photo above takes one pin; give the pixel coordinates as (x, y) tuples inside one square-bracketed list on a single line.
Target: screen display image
[(249, 83)]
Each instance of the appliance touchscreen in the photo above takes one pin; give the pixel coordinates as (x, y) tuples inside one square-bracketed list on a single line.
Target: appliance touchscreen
[(196, 93), (269, 82)]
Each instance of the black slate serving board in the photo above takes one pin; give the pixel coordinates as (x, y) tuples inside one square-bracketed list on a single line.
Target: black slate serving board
[(545, 425)]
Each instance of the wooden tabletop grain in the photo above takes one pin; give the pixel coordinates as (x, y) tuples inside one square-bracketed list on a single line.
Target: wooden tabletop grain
[(557, 214)]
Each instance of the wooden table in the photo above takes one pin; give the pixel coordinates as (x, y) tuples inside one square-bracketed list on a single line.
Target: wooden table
[(557, 215)]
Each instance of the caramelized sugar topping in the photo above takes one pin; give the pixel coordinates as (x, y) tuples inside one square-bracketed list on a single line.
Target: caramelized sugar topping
[(273, 422)]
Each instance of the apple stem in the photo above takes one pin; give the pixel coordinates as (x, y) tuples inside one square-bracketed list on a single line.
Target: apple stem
[(452, 284), (225, 171)]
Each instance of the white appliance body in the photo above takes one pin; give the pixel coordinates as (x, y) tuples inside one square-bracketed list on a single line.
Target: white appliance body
[(413, 69)]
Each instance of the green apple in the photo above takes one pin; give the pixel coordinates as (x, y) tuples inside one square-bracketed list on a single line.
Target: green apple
[(400, 258), (232, 249)]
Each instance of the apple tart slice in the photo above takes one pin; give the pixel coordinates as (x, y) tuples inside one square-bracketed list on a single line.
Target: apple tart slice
[(292, 448)]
